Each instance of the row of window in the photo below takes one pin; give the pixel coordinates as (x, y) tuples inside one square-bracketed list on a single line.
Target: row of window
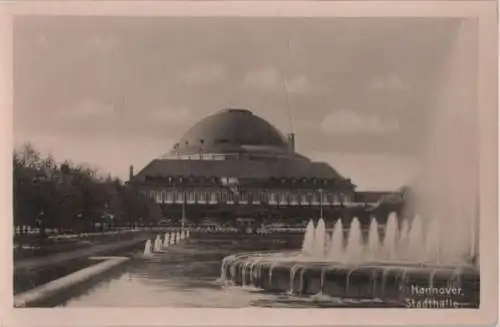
[(217, 156), (202, 156), (213, 179), (227, 196)]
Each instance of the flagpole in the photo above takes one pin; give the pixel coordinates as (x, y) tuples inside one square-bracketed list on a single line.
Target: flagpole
[(321, 202), (183, 209)]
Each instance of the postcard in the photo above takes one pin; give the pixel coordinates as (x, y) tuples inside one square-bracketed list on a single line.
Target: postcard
[(249, 163)]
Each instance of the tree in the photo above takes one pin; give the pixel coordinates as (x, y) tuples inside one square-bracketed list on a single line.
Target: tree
[(73, 197)]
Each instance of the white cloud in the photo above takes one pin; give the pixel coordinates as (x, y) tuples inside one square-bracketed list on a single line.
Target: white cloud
[(90, 108), (299, 84), (270, 79), (389, 82), (350, 122), (204, 74)]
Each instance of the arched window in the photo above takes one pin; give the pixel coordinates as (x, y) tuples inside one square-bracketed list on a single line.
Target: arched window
[(315, 197), (170, 196), (304, 199), (180, 197), (274, 197), (244, 197), (283, 198), (329, 198), (347, 198), (256, 196)]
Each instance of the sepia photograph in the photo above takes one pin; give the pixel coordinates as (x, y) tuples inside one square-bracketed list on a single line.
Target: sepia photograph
[(225, 161)]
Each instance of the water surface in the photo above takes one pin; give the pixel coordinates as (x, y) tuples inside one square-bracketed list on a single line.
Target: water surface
[(187, 275)]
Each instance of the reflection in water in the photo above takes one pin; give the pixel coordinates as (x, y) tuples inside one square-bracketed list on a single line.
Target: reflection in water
[(187, 275)]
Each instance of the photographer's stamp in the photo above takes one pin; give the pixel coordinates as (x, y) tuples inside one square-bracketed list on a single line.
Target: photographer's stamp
[(435, 297)]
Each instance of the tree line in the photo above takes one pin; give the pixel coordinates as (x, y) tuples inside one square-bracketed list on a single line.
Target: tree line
[(72, 197)]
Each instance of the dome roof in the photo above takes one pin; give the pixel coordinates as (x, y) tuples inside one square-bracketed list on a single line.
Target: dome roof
[(231, 130)]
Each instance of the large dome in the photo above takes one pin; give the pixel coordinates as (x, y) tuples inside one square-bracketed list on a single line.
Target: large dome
[(231, 130)]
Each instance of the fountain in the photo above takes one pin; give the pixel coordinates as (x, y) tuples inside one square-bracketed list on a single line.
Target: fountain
[(308, 243), (147, 248), (391, 231), (319, 240), (354, 247), (373, 246), (355, 266), (166, 240), (158, 244), (336, 250), (431, 244)]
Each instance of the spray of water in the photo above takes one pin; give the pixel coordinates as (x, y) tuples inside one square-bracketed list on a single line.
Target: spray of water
[(308, 243), (447, 185), (319, 239), (415, 239), (444, 227), (405, 244), (391, 237), (373, 246), (335, 251), (354, 247), (148, 248)]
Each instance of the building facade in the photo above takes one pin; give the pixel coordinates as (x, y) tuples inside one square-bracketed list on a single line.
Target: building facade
[(233, 165)]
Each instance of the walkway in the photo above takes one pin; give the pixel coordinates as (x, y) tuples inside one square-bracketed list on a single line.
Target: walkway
[(41, 262)]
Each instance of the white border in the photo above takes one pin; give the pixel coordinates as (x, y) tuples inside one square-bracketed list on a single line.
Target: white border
[(484, 10)]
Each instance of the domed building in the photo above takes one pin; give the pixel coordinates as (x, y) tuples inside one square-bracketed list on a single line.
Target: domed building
[(234, 165)]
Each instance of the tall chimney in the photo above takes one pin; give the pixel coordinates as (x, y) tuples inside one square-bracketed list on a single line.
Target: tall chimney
[(131, 172), (291, 143)]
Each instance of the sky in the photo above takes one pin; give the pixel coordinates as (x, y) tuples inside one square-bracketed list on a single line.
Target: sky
[(118, 91)]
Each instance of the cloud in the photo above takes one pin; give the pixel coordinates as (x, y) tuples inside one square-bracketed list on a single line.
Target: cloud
[(204, 74), (299, 84), (389, 82), (90, 108), (271, 80), (350, 122)]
